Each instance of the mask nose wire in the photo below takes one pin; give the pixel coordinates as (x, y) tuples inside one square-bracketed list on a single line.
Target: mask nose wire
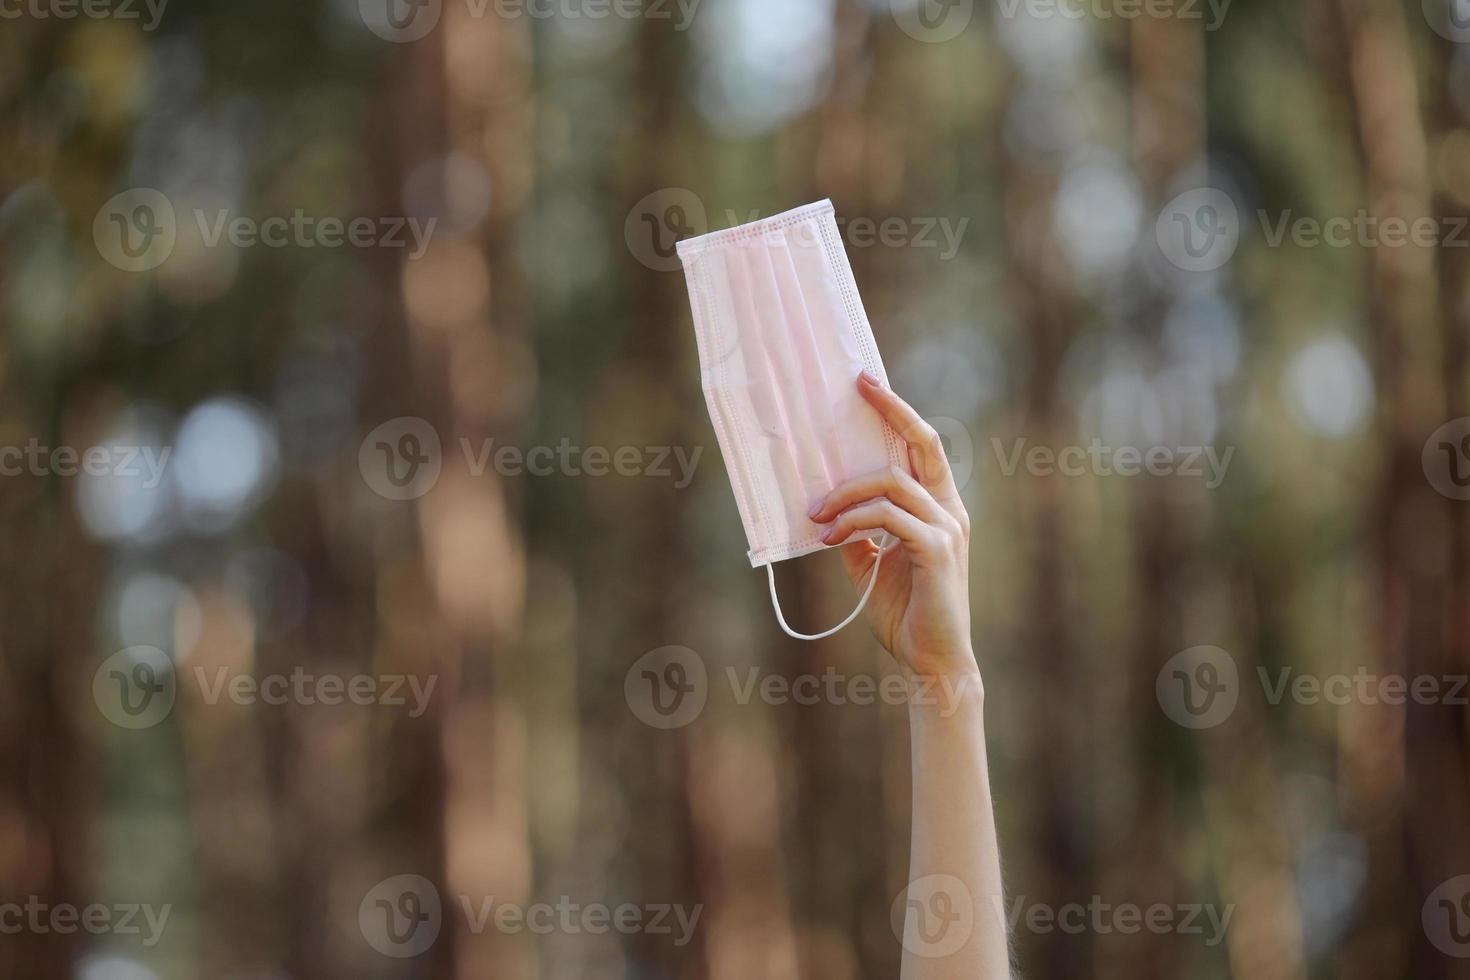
[(872, 581)]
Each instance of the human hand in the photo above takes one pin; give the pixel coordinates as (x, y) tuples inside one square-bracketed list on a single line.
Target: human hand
[(920, 606)]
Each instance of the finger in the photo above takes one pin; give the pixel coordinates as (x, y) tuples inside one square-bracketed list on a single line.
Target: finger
[(892, 483), (858, 557), (926, 449), (883, 514)]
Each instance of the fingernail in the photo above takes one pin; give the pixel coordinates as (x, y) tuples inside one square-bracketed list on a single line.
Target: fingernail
[(816, 509), (868, 377)]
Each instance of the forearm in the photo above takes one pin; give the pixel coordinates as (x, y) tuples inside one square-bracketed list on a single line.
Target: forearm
[(953, 926), (956, 922)]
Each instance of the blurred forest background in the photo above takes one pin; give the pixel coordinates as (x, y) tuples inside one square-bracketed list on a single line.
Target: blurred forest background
[(559, 154)]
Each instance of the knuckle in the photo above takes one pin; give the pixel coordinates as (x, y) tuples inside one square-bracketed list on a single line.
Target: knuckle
[(931, 468), (954, 536)]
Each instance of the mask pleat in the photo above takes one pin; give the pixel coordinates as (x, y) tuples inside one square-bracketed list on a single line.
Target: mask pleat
[(836, 343), (817, 376), (767, 385), (776, 332)]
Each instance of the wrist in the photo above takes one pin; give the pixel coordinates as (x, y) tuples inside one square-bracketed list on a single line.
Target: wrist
[(946, 690), (957, 663)]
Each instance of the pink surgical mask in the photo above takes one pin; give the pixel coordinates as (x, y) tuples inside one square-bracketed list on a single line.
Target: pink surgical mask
[(782, 338)]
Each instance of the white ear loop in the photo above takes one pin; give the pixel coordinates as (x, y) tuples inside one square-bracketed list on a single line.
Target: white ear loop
[(872, 581)]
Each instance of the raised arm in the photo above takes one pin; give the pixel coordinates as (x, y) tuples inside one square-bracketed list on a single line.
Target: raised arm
[(920, 608)]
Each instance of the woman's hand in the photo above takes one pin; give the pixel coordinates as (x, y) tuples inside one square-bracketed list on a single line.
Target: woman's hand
[(920, 607)]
